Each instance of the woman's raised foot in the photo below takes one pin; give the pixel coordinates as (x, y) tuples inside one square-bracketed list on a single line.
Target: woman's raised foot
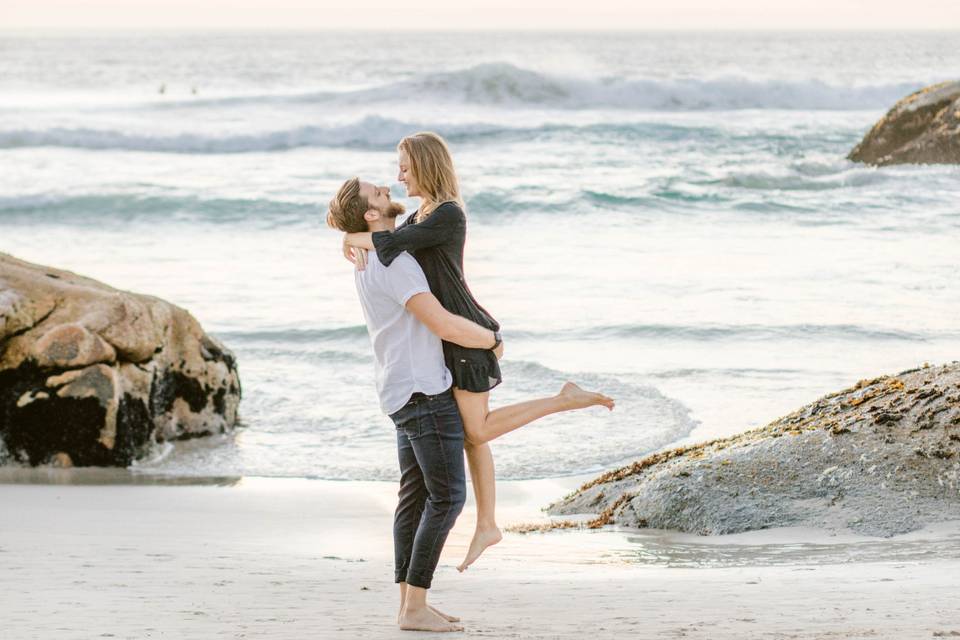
[(577, 398), (482, 538)]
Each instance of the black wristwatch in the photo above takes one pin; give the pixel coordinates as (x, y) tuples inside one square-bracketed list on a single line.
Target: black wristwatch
[(497, 341)]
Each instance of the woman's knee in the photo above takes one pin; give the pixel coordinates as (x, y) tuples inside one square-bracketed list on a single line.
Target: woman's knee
[(473, 438), (474, 419)]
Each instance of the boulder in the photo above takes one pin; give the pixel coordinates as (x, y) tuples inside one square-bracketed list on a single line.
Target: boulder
[(923, 128), (90, 375), (880, 458)]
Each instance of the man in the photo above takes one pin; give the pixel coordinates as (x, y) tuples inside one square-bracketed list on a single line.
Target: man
[(406, 325)]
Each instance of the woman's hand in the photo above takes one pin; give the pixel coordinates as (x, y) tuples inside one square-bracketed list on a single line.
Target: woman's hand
[(353, 253), (348, 251), (360, 255), (499, 351)]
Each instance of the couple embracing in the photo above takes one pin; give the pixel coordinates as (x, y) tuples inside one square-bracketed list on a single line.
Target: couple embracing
[(437, 357)]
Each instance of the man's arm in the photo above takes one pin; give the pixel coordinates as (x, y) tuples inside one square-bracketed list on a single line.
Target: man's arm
[(448, 326)]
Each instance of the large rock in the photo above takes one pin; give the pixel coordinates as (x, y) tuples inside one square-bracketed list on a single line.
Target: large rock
[(923, 128), (880, 458), (89, 374)]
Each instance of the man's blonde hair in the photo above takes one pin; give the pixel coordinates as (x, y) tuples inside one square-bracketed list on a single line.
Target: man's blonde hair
[(432, 168), (348, 207)]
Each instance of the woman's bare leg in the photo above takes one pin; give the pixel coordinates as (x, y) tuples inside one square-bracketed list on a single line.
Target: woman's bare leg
[(480, 425), (482, 475)]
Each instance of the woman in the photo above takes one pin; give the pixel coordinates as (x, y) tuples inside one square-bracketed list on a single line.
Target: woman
[(435, 236)]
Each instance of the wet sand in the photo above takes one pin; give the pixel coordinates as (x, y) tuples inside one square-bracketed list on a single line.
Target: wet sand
[(110, 555)]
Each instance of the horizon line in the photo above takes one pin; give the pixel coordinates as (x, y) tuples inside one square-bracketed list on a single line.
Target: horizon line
[(299, 29)]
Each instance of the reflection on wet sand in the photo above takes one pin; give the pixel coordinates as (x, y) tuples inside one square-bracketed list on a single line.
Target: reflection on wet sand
[(104, 475)]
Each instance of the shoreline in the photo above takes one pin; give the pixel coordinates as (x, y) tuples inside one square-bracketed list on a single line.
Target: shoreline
[(519, 502), (295, 558)]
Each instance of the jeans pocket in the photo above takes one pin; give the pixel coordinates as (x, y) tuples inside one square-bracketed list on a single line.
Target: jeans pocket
[(412, 429), (446, 419), (427, 422), (446, 409), (407, 420)]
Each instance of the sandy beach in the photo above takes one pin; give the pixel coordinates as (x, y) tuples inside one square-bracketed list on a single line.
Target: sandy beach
[(107, 554)]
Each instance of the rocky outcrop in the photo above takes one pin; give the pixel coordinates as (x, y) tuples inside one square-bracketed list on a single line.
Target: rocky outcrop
[(89, 375), (880, 458), (923, 128)]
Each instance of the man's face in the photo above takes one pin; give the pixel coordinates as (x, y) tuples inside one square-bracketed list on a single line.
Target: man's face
[(379, 199)]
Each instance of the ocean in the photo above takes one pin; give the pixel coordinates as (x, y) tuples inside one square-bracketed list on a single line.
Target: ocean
[(666, 217)]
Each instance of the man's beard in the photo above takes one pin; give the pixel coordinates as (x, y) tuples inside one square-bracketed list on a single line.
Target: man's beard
[(393, 210)]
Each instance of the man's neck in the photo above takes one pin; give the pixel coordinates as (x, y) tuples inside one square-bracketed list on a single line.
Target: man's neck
[(383, 225)]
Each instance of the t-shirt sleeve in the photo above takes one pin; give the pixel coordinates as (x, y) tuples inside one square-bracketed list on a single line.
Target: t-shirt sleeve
[(440, 227), (405, 279)]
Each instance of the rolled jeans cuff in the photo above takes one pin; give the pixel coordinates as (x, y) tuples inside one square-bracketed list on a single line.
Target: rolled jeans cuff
[(419, 580)]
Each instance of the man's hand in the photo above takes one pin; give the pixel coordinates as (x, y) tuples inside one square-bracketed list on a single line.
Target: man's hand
[(499, 351), (447, 326)]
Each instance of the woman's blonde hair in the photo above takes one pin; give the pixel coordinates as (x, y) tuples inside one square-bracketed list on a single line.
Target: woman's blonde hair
[(432, 168)]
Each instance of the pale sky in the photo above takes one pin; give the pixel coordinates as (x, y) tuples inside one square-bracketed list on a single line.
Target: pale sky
[(479, 14)]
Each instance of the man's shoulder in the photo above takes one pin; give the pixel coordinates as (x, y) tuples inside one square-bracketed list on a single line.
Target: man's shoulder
[(375, 267), (403, 266), (404, 262)]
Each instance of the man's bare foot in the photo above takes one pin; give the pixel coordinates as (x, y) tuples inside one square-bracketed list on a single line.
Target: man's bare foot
[(425, 620), (580, 399), (482, 538), (443, 615)]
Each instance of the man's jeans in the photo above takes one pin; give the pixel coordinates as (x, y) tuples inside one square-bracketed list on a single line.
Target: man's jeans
[(432, 483)]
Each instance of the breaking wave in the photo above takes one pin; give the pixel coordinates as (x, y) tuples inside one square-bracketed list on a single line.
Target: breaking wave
[(509, 85)]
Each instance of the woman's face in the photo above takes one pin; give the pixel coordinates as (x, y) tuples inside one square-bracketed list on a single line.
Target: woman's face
[(406, 176)]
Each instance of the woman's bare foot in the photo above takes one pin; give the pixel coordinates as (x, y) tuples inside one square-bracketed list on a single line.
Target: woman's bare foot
[(580, 399), (443, 615), (482, 538), (425, 619)]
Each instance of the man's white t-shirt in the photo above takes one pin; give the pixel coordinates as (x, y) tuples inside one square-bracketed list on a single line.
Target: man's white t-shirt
[(408, 356)]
